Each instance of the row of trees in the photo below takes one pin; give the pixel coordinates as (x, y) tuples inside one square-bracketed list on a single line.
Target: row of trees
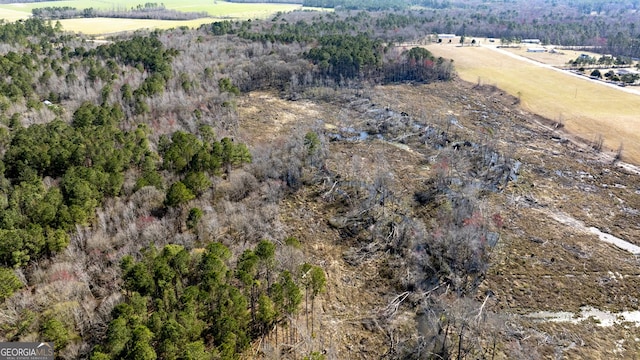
[(368, 5), (602, 60), (610, 75), (151, 11), (376, 5)]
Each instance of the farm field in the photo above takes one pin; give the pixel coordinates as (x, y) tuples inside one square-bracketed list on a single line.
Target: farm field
[(99, 26), (586, 108), (10, 15), (214, 8), (106, 26)]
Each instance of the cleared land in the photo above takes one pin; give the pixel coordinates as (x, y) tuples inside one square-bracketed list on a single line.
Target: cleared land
[(586, 108), (9, 15), (542, 262)]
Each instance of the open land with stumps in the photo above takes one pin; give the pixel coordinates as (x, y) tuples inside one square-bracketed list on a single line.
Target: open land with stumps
[(546, 258)]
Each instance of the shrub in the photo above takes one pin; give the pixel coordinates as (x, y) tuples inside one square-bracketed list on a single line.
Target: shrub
[(178, 194), (195, 214), (197, 182), (54, 330), (9, 283)]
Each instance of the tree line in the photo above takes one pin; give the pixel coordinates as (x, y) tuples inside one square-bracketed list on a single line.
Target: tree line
[(610, 26), (376, 5), (342, 56), (149, 11)]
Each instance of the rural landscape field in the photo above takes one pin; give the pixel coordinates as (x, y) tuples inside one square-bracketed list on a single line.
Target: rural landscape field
[(284, 181), (587, 108), (102, 26)]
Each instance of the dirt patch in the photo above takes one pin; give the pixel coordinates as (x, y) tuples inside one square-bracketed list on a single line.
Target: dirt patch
[(265, 116)]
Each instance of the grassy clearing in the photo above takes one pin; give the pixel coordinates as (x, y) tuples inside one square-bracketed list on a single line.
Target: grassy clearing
[(95, 26), (558, 58), (586, 108)]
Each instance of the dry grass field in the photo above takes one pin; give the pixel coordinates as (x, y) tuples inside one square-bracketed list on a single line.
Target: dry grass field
[(559, 57), (586, 108), (102, 26), (10, 15), (213, 8)]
